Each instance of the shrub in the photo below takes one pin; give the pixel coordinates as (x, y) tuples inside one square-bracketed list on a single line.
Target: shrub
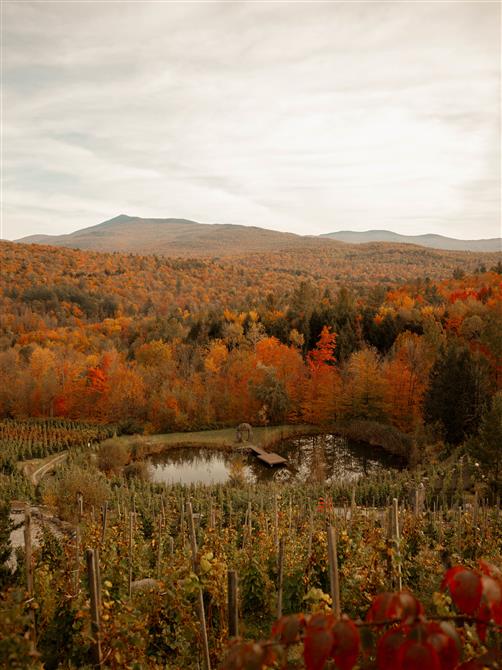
[(62, 491), (136, 470), (112, 455)]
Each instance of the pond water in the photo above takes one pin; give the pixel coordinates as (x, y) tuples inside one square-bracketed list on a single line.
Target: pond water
[(323, 458)]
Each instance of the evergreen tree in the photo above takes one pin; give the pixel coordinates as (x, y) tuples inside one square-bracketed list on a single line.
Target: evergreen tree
[(487, 447), (458, 387), (272, 393)]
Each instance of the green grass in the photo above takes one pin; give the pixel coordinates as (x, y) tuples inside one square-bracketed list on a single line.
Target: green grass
[(218, 439)]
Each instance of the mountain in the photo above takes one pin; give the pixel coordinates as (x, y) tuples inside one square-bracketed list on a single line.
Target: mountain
[(433, 241), (176, 237), (181, 237)]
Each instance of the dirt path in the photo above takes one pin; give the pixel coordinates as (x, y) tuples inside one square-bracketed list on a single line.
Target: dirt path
[(41, 517), (35, 470)]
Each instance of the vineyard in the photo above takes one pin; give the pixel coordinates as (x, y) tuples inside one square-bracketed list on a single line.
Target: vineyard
[(37, 438), (164, 577), (227, 446), (21, 440), (131, 574)]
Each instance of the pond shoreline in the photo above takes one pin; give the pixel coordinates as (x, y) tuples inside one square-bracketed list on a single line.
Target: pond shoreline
[(143, 446), (319, 457), (380, 436)]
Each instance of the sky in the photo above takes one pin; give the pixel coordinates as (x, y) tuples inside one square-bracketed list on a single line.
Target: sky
[(307, 117)]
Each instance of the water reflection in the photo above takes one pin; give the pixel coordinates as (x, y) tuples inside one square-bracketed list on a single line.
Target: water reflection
[(324, 458)]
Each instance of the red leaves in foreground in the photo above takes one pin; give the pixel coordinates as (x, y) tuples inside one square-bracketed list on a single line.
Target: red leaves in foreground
[(465, 588), (403, 606), (346, 643), (425, 644), (249, 655), (408, 641), (318, 641), (476, 593), (323, 637)]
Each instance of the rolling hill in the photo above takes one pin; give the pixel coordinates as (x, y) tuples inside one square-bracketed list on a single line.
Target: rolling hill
[(432, 241), (182, 237), (177, 237)]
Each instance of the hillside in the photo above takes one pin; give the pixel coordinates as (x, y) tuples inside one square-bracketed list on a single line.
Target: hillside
[(433, 241), (176, 237), (181, 237)]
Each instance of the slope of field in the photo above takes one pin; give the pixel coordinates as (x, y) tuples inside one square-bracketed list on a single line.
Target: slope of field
[(433, 241)]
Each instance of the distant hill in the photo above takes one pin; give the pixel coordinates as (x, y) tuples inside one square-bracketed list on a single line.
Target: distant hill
[(432, 241), (181, 237), (177, 237)]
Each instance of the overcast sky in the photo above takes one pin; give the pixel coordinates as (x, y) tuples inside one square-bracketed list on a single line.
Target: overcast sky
[(308, 117)]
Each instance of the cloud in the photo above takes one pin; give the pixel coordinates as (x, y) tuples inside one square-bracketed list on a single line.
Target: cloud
[(302, 117)]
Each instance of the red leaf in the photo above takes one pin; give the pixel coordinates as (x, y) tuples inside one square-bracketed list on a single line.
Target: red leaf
[(345, 644), (465, 588), (379, 610), (492, 596), (444, 639), (415, 655), (251, 656), (318, 641), (287, 629), (484, 616), (489, 569), (388, 649), (403, 606), (496, 609)]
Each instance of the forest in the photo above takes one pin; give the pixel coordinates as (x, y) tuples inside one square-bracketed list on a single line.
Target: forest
[(164, 345), (398, 347)]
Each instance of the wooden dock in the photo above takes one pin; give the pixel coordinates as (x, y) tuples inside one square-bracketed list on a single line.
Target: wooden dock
[(269, 458)]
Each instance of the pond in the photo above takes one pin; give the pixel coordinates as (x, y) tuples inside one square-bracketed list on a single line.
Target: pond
[(323, 458)]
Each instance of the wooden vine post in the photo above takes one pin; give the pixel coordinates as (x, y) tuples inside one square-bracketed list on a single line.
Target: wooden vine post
[(250, 524), (182, 522), (95, 593), (104, 518), (80, 506), (200, 599), (28, 558), (276, 523), (280, 577), (159, 549), (353, 506), (131, 530), (311, 532), (233, 612), (97, 570), (397, 541), (77, 560), (475, 510), (334, 579)]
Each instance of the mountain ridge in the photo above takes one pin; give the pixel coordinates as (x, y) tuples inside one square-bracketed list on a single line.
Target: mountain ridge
[(178, 237), (430, 240)]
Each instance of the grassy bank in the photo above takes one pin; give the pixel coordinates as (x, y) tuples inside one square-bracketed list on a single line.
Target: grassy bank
[(376, 434), (225, 438), (380, 435)]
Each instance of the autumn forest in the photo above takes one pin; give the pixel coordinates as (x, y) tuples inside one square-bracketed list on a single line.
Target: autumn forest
[(394, 346), (160, 344)]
